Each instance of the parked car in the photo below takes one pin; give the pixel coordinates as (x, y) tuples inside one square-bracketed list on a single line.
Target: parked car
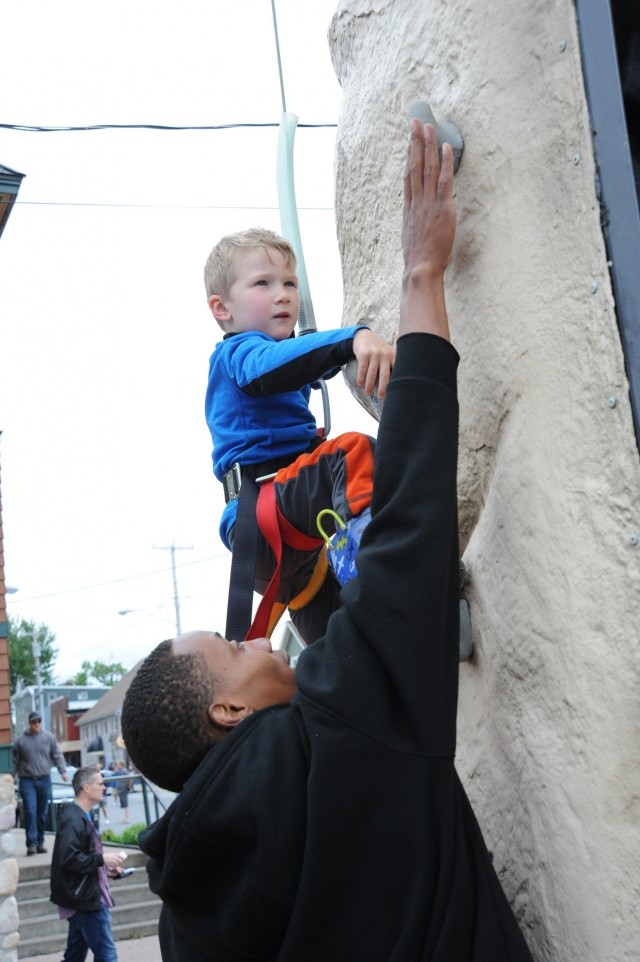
[(61, 796)]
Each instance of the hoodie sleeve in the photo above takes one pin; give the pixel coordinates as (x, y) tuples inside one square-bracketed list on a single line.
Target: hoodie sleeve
[(259, 365), (57, 757), (389, 660)]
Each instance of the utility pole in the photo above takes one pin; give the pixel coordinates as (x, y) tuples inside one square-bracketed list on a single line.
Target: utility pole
[(173, 547), (37, 651)]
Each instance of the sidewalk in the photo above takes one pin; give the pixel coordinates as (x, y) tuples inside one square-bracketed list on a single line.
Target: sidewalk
[(129, 950)]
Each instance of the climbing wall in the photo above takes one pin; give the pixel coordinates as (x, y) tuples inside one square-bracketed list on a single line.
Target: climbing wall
[(549, 480)]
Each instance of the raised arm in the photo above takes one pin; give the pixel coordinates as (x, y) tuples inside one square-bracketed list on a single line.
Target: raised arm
[(429, 227), (428, 230), (397, 629)]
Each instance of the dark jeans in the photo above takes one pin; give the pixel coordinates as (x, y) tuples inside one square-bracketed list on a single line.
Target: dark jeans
[(91, 930), (35, 801)]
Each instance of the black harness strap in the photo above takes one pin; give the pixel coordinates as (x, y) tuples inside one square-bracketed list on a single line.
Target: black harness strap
[(243, 562), (245, 545)]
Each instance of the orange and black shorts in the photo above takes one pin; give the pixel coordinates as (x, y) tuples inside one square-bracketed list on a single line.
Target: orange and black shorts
[(337, 474)]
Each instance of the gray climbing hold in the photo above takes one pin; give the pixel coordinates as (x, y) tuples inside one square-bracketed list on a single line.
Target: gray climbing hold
[(446, 133)]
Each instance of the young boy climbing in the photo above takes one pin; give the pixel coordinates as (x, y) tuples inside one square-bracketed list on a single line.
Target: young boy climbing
[(257, 409)]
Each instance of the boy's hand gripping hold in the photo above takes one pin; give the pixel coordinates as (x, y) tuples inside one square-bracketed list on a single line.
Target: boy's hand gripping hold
[(375, 360)]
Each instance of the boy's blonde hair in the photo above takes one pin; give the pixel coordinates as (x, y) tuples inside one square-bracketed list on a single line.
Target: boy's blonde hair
[(219, 272)]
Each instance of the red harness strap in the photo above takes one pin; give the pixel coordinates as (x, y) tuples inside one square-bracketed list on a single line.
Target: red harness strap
[(277, 532)]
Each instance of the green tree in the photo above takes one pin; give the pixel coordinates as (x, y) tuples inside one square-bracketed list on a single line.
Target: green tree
[(22, 662), (106, 674), (81, 677)]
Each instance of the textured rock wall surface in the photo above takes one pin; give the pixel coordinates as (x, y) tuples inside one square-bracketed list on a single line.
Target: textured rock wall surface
[(549, 475), (9, 935)]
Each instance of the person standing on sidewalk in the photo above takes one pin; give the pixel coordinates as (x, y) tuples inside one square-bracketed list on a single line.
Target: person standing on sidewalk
[(34, 754), (102, 803), (80, 872), (123, 787)]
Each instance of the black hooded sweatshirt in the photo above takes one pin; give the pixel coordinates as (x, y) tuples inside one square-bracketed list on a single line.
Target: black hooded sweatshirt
[(335, 828)]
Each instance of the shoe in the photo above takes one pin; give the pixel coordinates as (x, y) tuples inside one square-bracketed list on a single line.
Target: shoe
[(31, 850), (41, 849)]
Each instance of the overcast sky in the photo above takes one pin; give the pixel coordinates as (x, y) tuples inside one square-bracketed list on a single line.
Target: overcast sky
[(105, 333)]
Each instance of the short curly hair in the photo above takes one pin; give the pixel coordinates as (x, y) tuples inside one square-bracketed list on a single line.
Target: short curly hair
[(165, 724), (219, 270)]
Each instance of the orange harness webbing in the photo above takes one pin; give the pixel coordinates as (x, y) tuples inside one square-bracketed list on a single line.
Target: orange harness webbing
[(277, 532)]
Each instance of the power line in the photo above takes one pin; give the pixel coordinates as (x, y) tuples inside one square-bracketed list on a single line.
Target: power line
[(118, 581), (76, 203), (84, 128), (87, 128), (27, 128)]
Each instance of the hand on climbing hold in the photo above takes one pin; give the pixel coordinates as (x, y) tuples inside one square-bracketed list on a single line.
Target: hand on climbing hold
[(375, 361), (428, 230)]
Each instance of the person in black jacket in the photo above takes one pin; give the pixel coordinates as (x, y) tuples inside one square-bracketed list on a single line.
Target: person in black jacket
[(321, 817), (80, 874)]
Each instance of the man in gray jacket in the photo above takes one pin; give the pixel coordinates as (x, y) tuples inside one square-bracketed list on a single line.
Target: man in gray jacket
[(34, 753)]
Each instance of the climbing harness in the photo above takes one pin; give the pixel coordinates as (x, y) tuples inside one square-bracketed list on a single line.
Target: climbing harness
[(253, 487), (278, 532)]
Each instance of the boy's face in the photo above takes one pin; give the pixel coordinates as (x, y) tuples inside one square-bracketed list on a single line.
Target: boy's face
[(263, 297), (246, 675)]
